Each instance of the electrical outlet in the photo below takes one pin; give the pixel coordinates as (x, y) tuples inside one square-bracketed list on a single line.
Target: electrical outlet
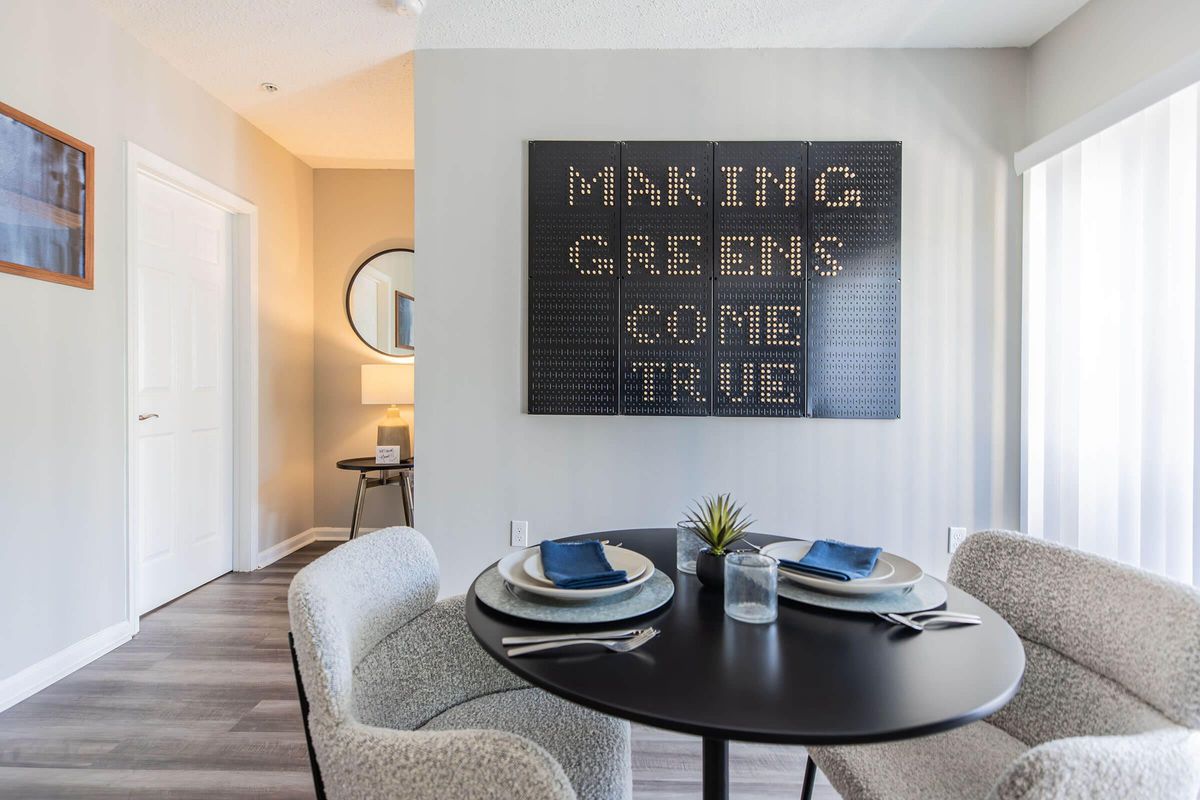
[(957, 535), (518, 533)]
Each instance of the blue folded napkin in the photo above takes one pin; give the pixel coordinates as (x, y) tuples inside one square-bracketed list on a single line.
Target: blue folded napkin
[(837, 560), (579, 565)]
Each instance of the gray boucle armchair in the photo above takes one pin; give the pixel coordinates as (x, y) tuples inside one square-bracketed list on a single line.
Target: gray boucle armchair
[(403, 703), (1109, 705)]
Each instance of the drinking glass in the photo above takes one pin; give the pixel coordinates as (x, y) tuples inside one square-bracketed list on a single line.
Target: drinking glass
[(687, 546), (750, 581)]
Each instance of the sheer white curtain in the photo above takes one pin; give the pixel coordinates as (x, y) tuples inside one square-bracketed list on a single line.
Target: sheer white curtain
[(1109, 454)]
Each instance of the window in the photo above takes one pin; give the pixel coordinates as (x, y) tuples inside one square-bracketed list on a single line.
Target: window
[(1109, 396)]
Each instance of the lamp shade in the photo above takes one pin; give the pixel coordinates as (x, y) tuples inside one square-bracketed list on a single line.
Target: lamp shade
[(387, 384)]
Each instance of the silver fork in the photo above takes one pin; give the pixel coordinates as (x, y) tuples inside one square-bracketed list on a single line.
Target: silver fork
[(929, 617), (617, 646)]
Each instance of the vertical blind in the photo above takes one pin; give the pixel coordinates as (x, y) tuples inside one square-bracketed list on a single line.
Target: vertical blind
[(1109, 396)]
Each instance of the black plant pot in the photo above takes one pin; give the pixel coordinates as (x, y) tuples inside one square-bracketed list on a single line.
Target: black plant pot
[(710, 569)]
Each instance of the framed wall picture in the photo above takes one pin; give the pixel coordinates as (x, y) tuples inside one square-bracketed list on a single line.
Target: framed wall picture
[(47, 190), (404, 321)]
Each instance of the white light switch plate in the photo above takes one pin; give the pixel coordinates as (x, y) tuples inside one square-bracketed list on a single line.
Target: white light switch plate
[(518, 533), (957, 535)]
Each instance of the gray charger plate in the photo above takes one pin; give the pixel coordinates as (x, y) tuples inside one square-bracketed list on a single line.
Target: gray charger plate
[(494, 592), (927, 593)]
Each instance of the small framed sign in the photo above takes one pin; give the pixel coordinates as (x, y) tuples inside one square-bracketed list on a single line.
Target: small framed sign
[(47, 199), (387, 454)]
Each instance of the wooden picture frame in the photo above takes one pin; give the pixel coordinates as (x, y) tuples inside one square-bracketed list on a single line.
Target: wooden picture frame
[(404, 321), (58, 203)]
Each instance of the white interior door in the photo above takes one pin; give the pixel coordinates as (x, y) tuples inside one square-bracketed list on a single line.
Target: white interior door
[(183, 450)]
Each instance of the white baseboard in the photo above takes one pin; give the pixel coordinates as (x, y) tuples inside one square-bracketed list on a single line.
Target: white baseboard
[(286, 547), (294, 543), (337, 534), (36, 677)]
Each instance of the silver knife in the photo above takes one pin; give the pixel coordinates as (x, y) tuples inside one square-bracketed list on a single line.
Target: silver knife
[(566, 637)]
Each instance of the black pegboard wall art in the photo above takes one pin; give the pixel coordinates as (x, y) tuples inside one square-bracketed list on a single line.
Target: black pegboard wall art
[(666, 278), (754, 279)]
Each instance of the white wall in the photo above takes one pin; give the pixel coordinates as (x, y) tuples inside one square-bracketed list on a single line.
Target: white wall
[(952, 457), (358, 213), (1102, 50), (62, 350)]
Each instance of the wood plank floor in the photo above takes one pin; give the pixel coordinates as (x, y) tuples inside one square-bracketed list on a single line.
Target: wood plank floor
[(202, 704)]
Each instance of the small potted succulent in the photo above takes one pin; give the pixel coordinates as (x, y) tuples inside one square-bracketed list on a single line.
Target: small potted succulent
[(719, 523)]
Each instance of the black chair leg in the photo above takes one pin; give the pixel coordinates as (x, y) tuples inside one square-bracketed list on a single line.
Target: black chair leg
[(810, 776), (318, 784)]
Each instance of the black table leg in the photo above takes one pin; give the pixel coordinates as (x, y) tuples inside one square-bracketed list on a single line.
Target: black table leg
[(358, 504), (716, 769), (406, 492), (810, 775)]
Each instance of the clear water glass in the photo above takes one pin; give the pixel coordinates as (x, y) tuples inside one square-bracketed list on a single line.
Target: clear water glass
[(750, 582), (687, 546)]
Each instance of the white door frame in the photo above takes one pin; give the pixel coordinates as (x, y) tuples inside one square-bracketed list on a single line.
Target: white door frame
[(245, 358)]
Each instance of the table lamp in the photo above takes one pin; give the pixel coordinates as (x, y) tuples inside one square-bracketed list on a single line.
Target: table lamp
[(389, 385)]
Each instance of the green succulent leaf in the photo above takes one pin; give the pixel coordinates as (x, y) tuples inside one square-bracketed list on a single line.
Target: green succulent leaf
[(718, 522)]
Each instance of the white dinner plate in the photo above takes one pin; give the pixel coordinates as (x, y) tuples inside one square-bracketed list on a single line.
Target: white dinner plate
[(633, 563), (891, 572), (512, 569)]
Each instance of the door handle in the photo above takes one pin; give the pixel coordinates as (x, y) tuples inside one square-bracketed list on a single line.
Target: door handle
[(144, 417)]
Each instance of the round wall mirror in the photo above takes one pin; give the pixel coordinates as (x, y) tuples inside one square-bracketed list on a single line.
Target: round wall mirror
[(379, 302)]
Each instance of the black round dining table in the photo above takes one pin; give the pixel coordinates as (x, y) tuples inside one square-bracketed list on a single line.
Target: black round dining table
[(812, 677)]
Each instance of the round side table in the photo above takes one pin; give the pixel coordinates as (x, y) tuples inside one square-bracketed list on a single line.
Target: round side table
[(392, 475)]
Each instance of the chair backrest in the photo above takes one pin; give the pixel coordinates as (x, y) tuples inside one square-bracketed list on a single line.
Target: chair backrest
[(1110, 649), (344, 603)]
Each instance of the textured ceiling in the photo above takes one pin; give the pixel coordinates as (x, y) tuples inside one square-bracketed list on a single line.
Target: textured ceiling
[(344, 68), (621, 24)]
